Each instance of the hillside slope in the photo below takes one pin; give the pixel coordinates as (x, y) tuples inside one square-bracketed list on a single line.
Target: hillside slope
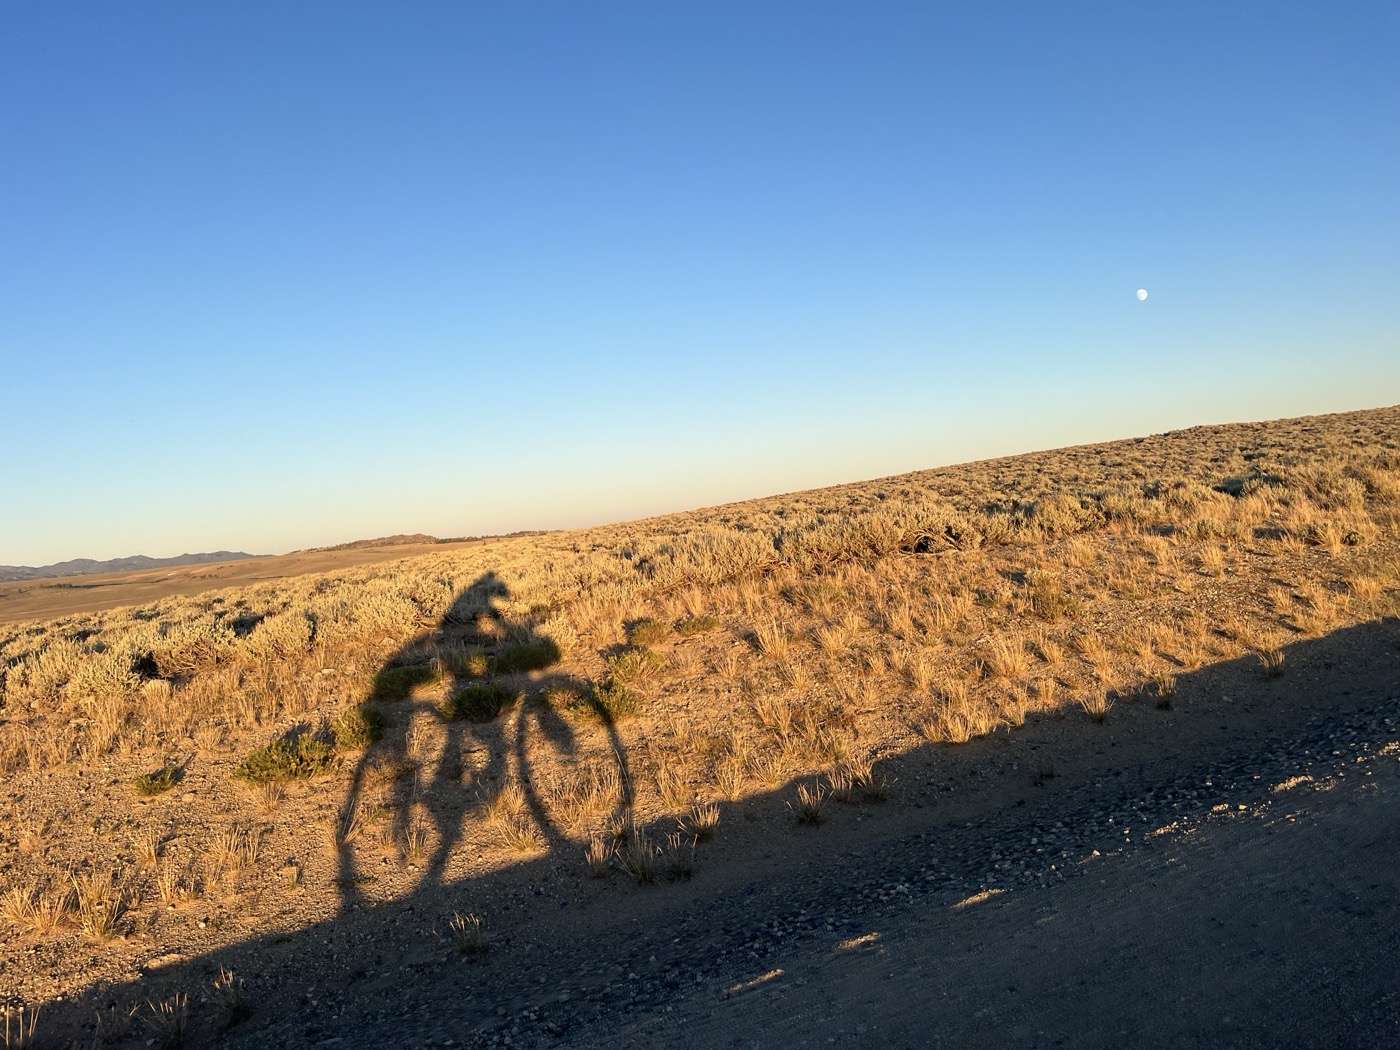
[(641, 738)]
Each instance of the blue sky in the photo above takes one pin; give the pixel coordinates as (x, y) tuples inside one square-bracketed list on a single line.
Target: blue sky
[(282, 275)]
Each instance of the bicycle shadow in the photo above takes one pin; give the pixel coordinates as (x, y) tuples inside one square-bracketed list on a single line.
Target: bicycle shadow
[(492, 713)]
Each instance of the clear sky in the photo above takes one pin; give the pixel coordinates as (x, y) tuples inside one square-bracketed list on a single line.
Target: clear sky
[(274, 275)]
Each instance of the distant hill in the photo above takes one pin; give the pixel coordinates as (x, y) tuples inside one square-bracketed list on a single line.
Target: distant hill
[(133, 563), (404, 539), (401, 539), (137, 562)]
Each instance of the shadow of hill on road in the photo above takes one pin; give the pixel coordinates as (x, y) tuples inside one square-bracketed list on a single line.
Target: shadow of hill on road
[(363, 971)]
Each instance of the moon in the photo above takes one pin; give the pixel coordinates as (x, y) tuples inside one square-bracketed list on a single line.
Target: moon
[(1142, 295)]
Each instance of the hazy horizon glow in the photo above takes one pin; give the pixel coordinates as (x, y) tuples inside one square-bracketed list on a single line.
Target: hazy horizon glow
[(272, 278)]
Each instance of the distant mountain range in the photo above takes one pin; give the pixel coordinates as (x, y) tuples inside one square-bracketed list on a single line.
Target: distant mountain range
[(134, 563)]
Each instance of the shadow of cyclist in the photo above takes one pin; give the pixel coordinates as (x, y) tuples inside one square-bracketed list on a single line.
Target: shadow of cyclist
[(493, 672)]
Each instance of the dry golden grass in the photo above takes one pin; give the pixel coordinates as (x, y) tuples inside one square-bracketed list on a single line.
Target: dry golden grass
[(171, 883), (348, 825), (149, 845), (168, 1019), (21, 1027), (1164, 686), (38, 911), (701, 822), (229, 994), (34, 835), (957, 716), (1096, 703), (1006, 658), (773, 644), (809, 805), (508, 824), (1211, 560), (468, 933), (637, 855), (101, 901), (855, 780), (598, 856), (1317, 499), (1271, 661)]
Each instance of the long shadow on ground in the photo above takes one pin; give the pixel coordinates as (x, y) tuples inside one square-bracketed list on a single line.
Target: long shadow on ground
[(1019, 820)]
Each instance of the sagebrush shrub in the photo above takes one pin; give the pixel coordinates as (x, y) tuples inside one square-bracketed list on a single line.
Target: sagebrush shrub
[(157, 781), (399, 681), (297, 756), (528, 654), (610, 701), (477, 701), (356, 728)]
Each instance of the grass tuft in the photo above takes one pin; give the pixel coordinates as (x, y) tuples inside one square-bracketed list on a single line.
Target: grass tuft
[(101, 903), (808, 808), (529, 654), (157, 781), (356, 728), (477, 701), (648, 632), (468, 934), (168, 1020), (38, 913), (693, 625), (634, 665), (1164, 685), (299, 755), (230, 997), (598, 856), (21, 1026), (398, 683), (611, 701), (636, 855), (702, 820), (1096, 704), (679, 856)]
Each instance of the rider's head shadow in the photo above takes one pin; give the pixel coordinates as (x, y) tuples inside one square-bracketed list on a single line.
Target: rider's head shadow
[(465, 706), (475, 615)]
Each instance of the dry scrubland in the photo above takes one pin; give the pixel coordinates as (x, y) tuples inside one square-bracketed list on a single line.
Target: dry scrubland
[(198, 770), (54, 597)]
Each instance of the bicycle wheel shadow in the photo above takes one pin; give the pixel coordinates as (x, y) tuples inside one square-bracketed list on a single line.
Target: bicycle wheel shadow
[(493, 715)]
